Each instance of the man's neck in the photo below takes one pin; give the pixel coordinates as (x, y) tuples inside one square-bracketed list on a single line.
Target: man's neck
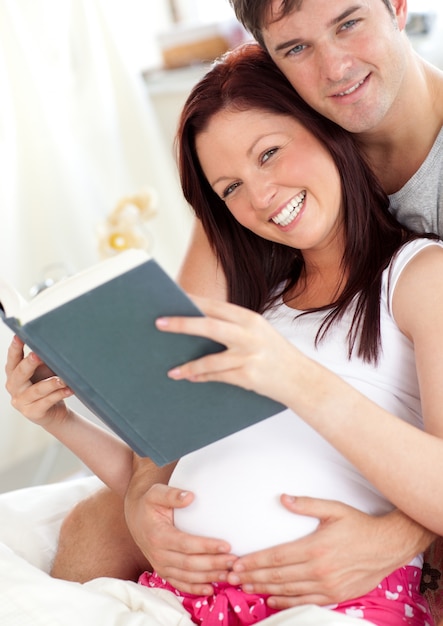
[(398, 147)]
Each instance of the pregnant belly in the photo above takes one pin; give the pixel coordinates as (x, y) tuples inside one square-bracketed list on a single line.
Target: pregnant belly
[(238, 482)]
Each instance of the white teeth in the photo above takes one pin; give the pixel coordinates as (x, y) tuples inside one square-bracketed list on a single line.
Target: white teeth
[(351, 89), (290, 211)]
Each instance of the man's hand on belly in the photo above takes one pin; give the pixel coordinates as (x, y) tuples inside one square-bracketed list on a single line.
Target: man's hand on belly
[(347, 556), (187, 562)]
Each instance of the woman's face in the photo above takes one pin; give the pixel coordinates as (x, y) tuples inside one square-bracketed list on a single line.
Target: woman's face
[(275, 177)]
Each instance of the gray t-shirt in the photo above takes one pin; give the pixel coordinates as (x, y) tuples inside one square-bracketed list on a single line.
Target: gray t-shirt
[(419, 203)]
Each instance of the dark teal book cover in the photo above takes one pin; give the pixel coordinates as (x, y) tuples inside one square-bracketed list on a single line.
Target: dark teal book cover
[(105, 346)]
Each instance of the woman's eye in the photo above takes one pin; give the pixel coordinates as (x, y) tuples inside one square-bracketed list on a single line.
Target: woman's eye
[(267, 155), (229, 190)]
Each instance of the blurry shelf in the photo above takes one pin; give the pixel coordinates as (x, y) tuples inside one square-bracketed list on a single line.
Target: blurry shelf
[(174, 81)]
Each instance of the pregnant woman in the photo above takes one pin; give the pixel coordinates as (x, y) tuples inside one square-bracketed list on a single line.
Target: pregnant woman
[(322, 284)]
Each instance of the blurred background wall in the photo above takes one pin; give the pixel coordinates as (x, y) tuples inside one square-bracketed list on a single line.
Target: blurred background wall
[(79, 130)]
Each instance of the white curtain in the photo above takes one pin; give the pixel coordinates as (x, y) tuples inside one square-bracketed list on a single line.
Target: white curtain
[(77, 133)]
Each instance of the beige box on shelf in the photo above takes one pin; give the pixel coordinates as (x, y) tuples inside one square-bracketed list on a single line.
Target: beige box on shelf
[(184, 46)]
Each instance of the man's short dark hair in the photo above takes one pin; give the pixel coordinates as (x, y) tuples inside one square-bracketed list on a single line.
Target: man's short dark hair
[(252, 13)]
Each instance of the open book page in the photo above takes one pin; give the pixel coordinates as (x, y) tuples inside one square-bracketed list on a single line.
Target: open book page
[(11, 301), (14, 305)]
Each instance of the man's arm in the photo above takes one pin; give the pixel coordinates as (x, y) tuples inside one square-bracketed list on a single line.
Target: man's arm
[(200, 274), (347, 556), (175, 555)]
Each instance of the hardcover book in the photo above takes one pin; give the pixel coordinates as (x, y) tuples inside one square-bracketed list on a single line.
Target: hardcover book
[(96, 330)]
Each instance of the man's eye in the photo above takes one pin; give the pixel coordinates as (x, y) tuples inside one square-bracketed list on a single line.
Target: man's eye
[(296, 50), (349, 24)]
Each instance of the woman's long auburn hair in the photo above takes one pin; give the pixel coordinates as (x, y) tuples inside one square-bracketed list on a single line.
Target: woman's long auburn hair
[(254, 267)]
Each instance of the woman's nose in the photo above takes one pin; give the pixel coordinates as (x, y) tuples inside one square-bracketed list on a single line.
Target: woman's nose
[(261, 194)]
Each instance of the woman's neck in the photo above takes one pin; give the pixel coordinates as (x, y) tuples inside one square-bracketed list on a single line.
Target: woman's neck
[(315, 292), (320, 283)]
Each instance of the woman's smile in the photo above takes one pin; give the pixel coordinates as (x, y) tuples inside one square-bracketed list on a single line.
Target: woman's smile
[(290, 211)]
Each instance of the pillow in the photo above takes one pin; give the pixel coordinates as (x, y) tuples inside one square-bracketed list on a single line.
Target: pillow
[(30, 518)]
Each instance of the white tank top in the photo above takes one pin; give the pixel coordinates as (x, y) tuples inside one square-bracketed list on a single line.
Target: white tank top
[(238, 481)]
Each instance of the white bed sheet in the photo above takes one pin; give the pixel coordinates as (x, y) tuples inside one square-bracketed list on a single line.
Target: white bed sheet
[(30, 521)]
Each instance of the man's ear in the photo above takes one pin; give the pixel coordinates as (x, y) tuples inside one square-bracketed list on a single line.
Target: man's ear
[(400, 8)]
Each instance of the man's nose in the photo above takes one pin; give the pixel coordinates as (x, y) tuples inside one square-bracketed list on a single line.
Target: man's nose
[(334, 62)]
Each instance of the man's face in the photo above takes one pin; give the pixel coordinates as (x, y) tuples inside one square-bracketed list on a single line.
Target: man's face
[(346, 58)]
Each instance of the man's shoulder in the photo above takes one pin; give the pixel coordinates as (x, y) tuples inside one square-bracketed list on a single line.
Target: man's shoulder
[(419, 203)]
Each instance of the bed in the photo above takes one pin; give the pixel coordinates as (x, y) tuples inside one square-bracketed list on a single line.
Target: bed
[(30, 520)]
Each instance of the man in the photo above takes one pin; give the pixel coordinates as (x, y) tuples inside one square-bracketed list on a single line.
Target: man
[(351, 60)]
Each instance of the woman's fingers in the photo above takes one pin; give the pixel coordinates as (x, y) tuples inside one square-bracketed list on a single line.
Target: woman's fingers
[(19, 369), (36, 401)]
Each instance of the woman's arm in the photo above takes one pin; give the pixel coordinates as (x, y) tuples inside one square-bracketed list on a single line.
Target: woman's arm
[(43, 403), (39, 395), (403, 462), (395, 454)]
